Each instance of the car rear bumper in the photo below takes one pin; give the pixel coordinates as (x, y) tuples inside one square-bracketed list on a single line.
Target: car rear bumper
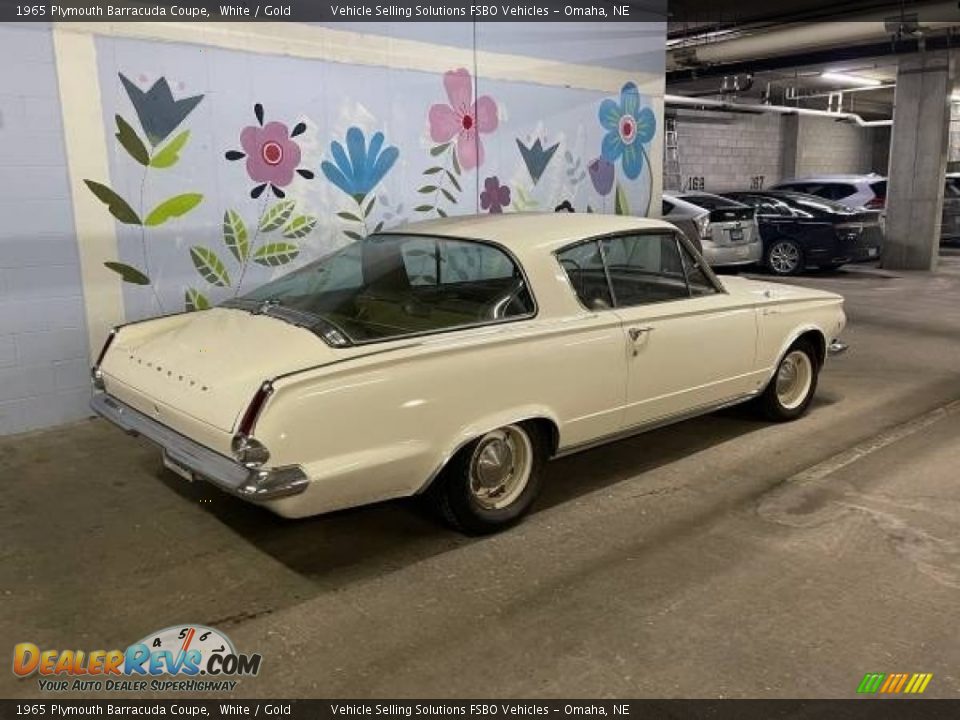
[(197, 461), (729, 255)]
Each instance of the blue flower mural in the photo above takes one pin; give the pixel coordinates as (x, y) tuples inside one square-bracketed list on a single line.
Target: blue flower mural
[(365, 167), (357, 171), (629, 127)]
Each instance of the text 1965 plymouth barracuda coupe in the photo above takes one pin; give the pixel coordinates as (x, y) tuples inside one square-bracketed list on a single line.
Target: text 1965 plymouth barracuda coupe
[(454, 357)]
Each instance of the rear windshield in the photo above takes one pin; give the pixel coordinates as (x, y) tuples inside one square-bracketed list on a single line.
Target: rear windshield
[(390, 285), (710, 202), (815, 205), (879, 188)]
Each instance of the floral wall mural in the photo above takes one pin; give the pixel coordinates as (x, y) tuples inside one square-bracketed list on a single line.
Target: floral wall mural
[(333, 153), (158, 115)]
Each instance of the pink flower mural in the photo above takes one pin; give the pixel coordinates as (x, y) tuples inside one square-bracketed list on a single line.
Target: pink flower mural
[(272, 155), (463, 118)]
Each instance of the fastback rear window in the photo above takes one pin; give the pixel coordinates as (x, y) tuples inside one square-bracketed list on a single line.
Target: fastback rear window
[(390, 285)]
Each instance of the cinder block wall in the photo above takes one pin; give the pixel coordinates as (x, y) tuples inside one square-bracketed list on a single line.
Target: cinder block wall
[(732, 151), (44, 365), (828, 146)]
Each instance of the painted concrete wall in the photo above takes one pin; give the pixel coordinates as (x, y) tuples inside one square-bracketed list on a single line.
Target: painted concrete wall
[(732, 151), (44, 367), (200, 161)]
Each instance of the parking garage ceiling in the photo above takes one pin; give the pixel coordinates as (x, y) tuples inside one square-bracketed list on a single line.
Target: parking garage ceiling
[(751, 52)]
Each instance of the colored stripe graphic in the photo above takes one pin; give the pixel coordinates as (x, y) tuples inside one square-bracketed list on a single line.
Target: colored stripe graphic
[(894, 683), (871, 682)]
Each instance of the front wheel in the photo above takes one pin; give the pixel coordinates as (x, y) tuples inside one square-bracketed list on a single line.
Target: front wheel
[(784, 257), (492, 482), (791, 389)]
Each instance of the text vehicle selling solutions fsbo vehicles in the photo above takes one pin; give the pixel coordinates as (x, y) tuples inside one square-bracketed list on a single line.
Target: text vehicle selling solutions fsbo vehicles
[(454, 358)]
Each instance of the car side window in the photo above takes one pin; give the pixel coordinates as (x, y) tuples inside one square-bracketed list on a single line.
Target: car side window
[(645, 269), (583, 264), (697, 279)]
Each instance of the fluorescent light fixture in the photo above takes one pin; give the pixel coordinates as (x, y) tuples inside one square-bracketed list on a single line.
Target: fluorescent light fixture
[(859, 81)]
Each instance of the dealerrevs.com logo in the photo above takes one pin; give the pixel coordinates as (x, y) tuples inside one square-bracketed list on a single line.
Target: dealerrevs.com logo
[(182, 658)]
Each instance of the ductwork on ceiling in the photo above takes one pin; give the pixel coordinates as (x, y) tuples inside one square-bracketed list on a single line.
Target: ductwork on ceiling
[(861, 29), (728, 53), (724, 106)]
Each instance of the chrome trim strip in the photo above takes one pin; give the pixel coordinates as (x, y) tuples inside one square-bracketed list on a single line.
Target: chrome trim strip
[(654, 424), (248, 483)]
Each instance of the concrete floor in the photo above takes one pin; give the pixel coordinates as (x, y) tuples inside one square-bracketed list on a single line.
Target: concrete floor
[(723, 557)]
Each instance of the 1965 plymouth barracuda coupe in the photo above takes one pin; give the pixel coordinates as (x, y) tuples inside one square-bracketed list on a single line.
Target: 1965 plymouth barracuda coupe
[(454, 357)]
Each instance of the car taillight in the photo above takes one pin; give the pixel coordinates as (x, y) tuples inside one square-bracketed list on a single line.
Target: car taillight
[(95, 373), (249, 418), (703, 226), (877, 203), (246, 449)]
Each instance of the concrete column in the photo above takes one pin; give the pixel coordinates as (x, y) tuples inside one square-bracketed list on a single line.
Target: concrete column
[(919, 146)]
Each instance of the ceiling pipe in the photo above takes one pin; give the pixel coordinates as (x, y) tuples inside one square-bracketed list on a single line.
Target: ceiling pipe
[(723, 106), (810, 36)]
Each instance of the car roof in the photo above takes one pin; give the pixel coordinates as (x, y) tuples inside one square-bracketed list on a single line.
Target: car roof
[(684, 205), (691, 198), (869, 177), (523, 231)]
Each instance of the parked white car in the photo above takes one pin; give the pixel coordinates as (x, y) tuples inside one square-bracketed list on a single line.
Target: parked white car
[(725, 230), (868, 192), (455, 357)]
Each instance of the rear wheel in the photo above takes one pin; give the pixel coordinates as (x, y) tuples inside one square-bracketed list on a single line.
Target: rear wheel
[(791, 389), (492, 482), (784, 257)]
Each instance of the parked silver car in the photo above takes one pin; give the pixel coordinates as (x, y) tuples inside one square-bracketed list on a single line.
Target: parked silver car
[(726, 231)]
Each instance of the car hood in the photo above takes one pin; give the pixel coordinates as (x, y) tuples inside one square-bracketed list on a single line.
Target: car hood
[(209, 364), (761, 291)]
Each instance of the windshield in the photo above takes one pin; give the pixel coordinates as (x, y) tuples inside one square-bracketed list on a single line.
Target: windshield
[(390, 285)]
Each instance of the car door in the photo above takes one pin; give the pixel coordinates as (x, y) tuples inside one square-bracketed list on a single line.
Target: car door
[(688, 344)]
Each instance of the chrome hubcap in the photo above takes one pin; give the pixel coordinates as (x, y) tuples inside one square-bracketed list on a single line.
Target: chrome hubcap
[(500, 467), (784, 257), (794, 378)]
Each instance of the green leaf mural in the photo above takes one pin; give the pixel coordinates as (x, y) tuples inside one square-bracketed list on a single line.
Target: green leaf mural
[(439, 149), (276, 216), (235, 235), (210, 266), (131, 142), (621, 206), (117, 206), (275, 254), (169, 154), (129, 273), (344, 215), (195, 300), (173, 207), (300, 226)]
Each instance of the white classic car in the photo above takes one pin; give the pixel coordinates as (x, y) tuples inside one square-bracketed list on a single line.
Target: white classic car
[(454, 357)]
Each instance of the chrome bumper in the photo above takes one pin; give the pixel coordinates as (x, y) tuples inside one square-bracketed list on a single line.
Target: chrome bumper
[(837, 347), (248, 483)]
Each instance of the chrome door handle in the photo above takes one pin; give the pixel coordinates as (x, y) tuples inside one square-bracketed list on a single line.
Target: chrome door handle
[(637, 332)]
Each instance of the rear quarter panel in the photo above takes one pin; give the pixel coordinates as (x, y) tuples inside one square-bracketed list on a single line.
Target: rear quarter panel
[(382, 426)]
